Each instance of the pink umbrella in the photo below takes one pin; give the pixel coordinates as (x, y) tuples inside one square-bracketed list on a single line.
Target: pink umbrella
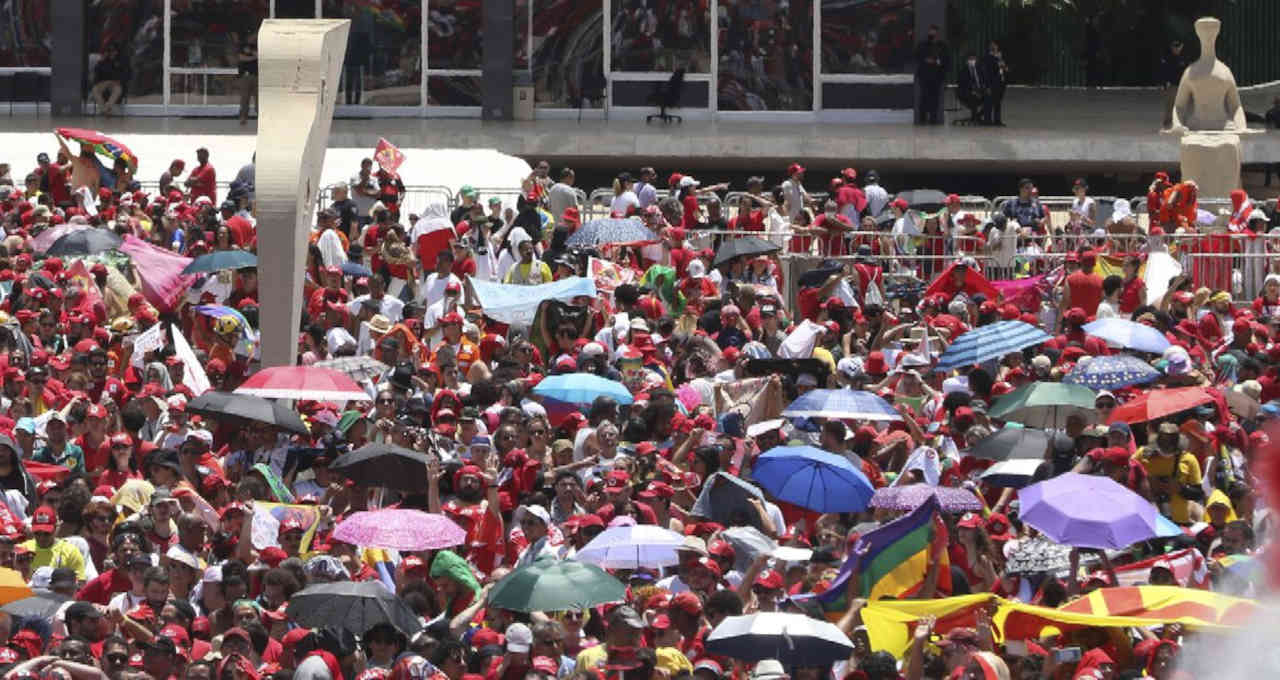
[(399, 530), (303, 382)]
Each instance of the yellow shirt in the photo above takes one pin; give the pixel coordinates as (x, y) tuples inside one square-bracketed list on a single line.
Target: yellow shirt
[(1181, 469), (670, 659), (60, 554)]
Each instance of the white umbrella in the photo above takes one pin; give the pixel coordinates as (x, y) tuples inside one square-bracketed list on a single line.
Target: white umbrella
[(796, 640), (632, 547)]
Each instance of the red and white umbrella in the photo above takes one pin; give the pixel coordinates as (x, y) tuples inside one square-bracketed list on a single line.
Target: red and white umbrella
[(303, 382)]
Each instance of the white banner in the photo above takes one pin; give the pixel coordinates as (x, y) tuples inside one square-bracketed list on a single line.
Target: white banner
[(149, 340), (192, 372)]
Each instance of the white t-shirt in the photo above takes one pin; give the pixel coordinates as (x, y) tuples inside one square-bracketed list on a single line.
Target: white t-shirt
[(623, 201), (125, 602), (793, 194), (877, 199), (1105, 310), (390, 307), (432, 289)]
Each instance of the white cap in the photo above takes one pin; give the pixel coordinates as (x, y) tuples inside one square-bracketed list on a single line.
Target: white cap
[(177, 553), (592, 349), (757, 429), (519, 638), (696, 269), (688, 181)]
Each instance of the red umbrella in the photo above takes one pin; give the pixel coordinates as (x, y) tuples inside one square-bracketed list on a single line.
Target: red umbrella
[(1160, 403), (303, 382)]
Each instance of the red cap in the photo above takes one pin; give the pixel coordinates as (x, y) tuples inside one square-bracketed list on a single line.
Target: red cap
[(617, 479), (44, 519), (770, 579), (794, 168), (687, 602), (953, 199), (657, 489), (273, 556), (969, 521)]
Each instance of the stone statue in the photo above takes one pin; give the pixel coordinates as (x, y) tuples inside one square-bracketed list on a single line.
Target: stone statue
[(1207, 99)]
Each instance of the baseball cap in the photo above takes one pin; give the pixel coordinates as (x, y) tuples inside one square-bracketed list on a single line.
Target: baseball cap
[(519, 637), (624, 614), (44, 519)]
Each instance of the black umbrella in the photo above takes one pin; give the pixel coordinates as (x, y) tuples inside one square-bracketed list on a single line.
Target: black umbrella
[(85, 242), (355, 606), (924, 200), (377, 464), (819, 275), (248, 407), (743, 247), (42, 605), (1012, 442)]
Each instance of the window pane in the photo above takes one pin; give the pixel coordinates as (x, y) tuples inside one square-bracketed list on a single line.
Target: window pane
[(453, 30), (208, 34), (135, 28), (661, 35), (203, 89), (24, 33), (766, 62), (453, 91), (520, 34), (868, 37), (383, 64), (568, 53)]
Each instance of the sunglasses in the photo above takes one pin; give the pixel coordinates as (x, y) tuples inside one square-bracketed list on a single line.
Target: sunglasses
[(117, 659), (386, 401)]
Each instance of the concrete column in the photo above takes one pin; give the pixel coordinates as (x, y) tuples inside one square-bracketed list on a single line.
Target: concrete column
[(499, 59), (299, 61), (69, 59)]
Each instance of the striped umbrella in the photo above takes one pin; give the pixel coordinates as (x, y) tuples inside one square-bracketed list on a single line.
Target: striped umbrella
[(990, 342), (857, 405), (1111, 372)]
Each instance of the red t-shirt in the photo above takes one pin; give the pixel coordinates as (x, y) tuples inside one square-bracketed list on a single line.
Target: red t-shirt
[(95, 457), (680, 259), (690, 203), (108, 583), (1129, 295), (484, 544), (1086, 291), (204, 182), (833, 239)]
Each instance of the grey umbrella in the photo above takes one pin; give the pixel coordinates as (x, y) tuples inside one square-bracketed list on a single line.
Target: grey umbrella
[(43, 605), (747, 542), (724, 499), (355, 606)]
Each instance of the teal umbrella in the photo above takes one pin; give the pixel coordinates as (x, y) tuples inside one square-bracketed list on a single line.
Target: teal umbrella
[(221, 259), (1045, 405), (549, 585)]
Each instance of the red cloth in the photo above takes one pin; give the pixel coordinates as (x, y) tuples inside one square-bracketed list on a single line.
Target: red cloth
[(974, 283), (242, 232)]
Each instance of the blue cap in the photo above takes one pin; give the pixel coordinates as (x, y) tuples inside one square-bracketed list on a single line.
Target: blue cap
[(27, 425), (481, 440), (1120, 427)]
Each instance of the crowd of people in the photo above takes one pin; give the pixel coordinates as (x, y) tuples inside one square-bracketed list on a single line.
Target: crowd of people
[(141, 521)]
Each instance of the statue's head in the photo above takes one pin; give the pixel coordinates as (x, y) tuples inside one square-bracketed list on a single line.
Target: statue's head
[(1207, 30)]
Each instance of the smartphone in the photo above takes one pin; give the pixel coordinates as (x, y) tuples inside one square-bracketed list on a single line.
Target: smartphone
[(1066, 655)]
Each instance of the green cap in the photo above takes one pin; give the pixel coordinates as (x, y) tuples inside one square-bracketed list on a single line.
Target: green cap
[(467, 190)]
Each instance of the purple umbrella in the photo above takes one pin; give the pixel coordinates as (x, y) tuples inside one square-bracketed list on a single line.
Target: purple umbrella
[(400, 530), (1088, 511), (912, 496)]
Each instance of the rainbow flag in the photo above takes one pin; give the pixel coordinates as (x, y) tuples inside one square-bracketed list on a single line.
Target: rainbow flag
[(891, 561)]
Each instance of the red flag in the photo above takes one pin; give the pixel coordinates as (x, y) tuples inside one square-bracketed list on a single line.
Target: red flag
[(389, 158)]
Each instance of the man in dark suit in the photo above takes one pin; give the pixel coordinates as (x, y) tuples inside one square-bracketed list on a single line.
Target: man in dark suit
[(931, 70), (993, 72), (971, 89)]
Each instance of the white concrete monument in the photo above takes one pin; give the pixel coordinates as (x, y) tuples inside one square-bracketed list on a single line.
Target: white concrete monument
[(1210, 119), (299, 61)]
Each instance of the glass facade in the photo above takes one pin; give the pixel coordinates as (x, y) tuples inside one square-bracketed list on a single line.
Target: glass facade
[(24, 33), (766, 56), (416, 55)]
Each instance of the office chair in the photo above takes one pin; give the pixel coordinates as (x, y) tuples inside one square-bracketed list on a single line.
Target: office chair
[(667, 96)]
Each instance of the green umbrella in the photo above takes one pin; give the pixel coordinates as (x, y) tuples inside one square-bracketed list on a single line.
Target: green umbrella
[(1045, 404), (549, 585)]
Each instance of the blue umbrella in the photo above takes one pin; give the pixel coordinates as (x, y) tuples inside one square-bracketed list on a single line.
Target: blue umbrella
[(841, 404), (582, 388), (1111, 372), (990, 342), (355, 269), (812, 478), (221, 259), (610, 230), (1128, 334)]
